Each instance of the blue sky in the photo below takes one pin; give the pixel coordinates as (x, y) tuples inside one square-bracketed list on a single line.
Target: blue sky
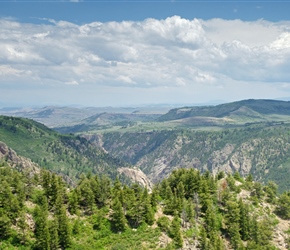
[(90, 11), (116, 53)]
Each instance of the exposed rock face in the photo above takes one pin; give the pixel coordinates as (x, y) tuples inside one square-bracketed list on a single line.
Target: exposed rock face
[(247, 150), (15, 161), (136, 175), (218, 161), (231, 160)]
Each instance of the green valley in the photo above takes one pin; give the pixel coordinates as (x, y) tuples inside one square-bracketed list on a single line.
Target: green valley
[(67, 155)]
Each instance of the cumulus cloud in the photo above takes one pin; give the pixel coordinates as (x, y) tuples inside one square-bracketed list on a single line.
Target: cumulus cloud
[(173, 52)]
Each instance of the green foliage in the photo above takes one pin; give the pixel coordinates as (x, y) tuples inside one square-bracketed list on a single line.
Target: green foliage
[(174, 232), (118, 217), (164, 224), (5, 226), (81, 218), (41, 228), (67, 155), (283, 206)]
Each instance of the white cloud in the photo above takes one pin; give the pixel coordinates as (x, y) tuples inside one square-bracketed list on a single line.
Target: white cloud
[(151, 54), (72, 83), (282, 42), (125, 79)]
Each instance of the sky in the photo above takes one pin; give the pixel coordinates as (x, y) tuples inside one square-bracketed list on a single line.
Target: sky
[(132, 53)]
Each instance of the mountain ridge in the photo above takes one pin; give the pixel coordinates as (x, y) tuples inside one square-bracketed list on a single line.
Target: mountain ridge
[(263, 106)]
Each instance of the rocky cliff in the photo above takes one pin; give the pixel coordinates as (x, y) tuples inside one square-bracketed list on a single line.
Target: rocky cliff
[(262, 152), (137, 176), (15, 161)]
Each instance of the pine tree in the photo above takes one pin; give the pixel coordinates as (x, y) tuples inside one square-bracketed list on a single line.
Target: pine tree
[(117, 187), (169, 207), (175, 231), (283, 206), (23, 228), (244, 220), (53, 190), (88, 199), (53, 231), (154, 198), (187, 213), (211, 219), (64, 233), (104, 191), (233, 212), (148, 213), (8, 201), (203, 241), (46, 182), (234, 233), (73, 202), (5, 226), (180, 192), (118, 217), (128, 199), (271, 191), (204, 195), (41, 228)]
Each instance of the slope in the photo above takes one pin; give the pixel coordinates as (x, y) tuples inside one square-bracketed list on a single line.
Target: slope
[(249, 107), (186, 211), (261, 150), (67, 155)]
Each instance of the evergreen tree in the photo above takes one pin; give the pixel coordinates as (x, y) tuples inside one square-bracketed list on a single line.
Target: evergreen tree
[(64, 233), (23, 228), (204, 195), (87, 196), (234, 233), (154, 198), (9, 202), (73, 202), (5, 225), (104, 191), (187, 214), (46, 182), (175, 231), (148, 213), (271, 191), (41, 231), (169, 207), (118, 217), (244, 220), (232, 212), (53, 190), (53, 231), (283, 206), (196, 205), (180, 192), (128, 199), (203, 241), (211, 219)]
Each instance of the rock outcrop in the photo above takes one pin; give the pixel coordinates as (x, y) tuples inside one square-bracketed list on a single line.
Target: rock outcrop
[(15, 161), (136, 175)]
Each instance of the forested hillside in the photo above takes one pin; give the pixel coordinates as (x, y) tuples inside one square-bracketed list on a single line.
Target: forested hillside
[(186, 211), (262, 150), (67, 155)]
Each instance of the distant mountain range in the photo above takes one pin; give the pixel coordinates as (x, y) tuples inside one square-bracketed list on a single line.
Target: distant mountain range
[(71, 119), (250, 108), (249, 136)]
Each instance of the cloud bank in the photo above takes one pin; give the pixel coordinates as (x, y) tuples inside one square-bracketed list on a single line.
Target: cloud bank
[(211, 59)]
